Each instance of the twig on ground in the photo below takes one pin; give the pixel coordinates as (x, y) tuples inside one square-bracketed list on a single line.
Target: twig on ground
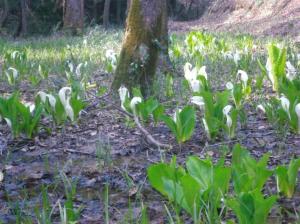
[(148, 136), (79, 152), (150, 139)]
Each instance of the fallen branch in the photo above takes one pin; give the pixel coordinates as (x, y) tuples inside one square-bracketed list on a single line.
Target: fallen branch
[(149, 137), (79, 152)]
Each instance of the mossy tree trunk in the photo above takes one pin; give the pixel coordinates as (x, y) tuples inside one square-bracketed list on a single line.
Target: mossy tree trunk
[(145, 39), (73, 13)]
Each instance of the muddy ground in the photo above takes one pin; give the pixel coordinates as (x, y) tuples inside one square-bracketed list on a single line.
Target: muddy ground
[(74, 150)]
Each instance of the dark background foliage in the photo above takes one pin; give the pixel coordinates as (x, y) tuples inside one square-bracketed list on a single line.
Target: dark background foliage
[(45, 16)]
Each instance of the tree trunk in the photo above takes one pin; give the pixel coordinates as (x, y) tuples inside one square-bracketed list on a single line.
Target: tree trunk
[(106, 14), (127, 7), (145, 38), (73, 15), (4, 13), (119, 11), (95, 10), (24, 14)]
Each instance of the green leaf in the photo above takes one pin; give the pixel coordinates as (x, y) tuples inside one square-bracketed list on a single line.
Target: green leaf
[(201, 170), (247, 173), (286, 178), (252, 207), (187, 119), (158, 173)]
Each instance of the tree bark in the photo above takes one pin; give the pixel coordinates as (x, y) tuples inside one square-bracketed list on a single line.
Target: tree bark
[(24, 14), (145, 38), (127, 7), (118, 12), (4, 13), (73, 15), (106, 14)]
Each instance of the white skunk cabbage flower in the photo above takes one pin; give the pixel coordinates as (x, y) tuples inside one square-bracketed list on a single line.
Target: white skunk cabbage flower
[(195, 85), (270, 72), (191, 75), (297, 110), (198, 100), (50, 97), (244, 77), (42, 95), (111, 55), (261, 108), (285, 103), (206, 127), (135, 100), (71, 66), (123, 93), (229, 86), (226, 111), (227, 55), (202, 71), (84, 42), (291, 71), (15, 72), (52, 100), (236, 57), (30, 105), (65, 97), (8, 122), (175, 114), (78, 70), (1, 176), (14, 54)]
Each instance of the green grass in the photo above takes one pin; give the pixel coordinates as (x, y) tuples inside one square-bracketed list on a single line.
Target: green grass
[(54, 51)]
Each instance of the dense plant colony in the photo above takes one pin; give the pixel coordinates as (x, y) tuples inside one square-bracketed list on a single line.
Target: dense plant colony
[(201, 188)]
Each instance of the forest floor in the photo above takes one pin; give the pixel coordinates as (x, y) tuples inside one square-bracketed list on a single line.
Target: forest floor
[(106, 149), (260, 18)]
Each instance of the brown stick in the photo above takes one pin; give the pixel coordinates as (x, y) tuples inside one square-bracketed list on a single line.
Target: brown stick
[(150, 139), (148, 136)]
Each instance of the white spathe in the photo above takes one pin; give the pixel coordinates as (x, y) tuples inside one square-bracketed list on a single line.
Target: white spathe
[(78, 70), (244, 77), (191, 75), (195, 85), (261, 107), (203, 72), (229, 86), (135, 100), (236, 57), (226, 111), (176, 114), (199, 101), (291, 71), (65, 97), (50, 97), (270, 72), (285, 103), (8, 122), (123, 93), (14, 72), (297, 110)]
